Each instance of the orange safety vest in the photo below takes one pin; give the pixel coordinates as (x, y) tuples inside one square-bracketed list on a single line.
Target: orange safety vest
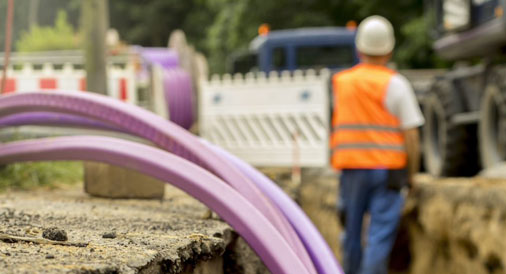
[(365, 134)]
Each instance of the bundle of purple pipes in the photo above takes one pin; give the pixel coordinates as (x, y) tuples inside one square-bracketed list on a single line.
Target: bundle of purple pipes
[(273, 225)]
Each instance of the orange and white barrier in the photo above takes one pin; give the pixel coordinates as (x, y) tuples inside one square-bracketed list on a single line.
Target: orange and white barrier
[(121, 85)]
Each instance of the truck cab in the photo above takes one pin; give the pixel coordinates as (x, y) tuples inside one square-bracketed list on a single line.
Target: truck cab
[(304, 48)]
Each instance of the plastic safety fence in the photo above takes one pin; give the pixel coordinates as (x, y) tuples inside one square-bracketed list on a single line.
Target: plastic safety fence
[(178, 94), (161, 132), (209, 189)]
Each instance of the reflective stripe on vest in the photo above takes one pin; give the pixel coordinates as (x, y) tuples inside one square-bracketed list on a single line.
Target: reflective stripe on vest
[(366, 134), (368, 146), (368, 127)]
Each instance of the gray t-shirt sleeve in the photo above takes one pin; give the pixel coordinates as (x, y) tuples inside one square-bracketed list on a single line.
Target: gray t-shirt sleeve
[(401, 101)]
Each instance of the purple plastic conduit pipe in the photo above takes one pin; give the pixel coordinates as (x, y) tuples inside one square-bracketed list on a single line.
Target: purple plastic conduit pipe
[(318, 249), (320, 253), (178, 94), (53, 119), (207, 188), (164, 134)]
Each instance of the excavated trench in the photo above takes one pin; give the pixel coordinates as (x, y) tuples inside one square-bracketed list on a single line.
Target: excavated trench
[(454, 226), (457, 226)]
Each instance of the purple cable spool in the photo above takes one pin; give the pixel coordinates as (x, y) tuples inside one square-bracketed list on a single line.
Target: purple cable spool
[(209, 189), (166, 58), (171, 84), (177, 84), (179, 96), (161, 132), (188, 100)]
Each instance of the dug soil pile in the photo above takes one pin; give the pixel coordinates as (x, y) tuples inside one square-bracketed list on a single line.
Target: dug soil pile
[(457, 226)]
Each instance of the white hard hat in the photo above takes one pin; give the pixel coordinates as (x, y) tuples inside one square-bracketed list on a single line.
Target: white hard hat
[(375, 36)]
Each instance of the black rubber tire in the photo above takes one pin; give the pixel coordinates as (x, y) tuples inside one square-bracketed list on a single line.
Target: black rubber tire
[(492, 125), (449, 149)]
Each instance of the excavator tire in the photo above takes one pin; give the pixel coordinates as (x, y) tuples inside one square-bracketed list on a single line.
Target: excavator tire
[(492, 124), (449, 149)]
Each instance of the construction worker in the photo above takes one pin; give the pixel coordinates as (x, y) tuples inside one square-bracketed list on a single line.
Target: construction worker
[(375, 145)]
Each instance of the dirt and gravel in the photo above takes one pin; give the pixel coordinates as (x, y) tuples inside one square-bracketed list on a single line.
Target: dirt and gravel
[(67, 231), (317, 197), (449, 226)]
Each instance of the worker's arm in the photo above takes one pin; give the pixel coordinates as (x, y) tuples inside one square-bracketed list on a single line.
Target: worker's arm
[(401, 102), (412, 142)]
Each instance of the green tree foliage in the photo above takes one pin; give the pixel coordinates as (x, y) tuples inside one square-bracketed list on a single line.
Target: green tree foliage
[(237, 21), (220, 27), (150, 22), (59, 37), (45, 16), (20, 22), (415, 51)]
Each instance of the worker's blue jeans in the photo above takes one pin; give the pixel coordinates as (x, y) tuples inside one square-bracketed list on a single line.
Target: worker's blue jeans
[(361, 191)]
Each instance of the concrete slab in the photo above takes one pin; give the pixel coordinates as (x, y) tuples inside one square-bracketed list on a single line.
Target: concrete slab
[(108, 181)]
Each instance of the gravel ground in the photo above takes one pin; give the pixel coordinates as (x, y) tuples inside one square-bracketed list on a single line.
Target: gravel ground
[(92, 235)]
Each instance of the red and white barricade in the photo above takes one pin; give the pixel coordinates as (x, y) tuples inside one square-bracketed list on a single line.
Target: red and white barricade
[(121, 84)]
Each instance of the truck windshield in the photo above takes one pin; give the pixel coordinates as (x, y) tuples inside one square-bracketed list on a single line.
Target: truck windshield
[(325, 56), (244, 63), (278, 59)]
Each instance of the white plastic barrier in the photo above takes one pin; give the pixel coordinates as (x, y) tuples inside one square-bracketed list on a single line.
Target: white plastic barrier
[(121, 85), (280, 120)]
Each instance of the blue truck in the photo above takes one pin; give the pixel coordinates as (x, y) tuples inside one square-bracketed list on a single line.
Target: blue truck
[(292, 49)]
